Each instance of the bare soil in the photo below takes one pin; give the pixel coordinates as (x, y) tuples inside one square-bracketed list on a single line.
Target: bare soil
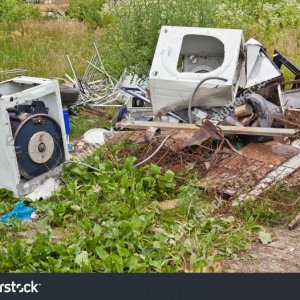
[(280, 256)]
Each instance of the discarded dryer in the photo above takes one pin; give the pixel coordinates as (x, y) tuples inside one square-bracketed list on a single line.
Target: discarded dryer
[(32, 133), (186, 55)]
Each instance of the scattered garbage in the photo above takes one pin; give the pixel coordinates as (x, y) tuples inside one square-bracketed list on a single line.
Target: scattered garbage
[(290, 103), (212, 100), (98, 88), (95, 136), (69, 94), (21, 211), (227, 171), (240, 174), (45, 190)]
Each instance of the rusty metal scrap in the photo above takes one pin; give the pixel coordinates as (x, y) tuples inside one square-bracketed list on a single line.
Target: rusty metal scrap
[(241, 172), (207, 131), (228, 173), (172, 155)]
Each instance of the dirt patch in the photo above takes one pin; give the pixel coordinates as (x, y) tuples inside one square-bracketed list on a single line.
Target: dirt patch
[(282, 255), (293, 179)]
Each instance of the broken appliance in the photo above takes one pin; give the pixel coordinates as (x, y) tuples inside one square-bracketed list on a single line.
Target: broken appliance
[(259, 68), (186, 55), (208, 65), (290, 102), (32, 133)]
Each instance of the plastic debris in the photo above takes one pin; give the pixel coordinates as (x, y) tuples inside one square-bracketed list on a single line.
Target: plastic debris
[(45, 190), (21, 212), (95, 136)]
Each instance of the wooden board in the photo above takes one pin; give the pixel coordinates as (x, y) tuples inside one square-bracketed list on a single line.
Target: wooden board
[(259, 131)]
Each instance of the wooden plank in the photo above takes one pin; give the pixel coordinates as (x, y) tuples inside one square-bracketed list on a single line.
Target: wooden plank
[(259, 131)]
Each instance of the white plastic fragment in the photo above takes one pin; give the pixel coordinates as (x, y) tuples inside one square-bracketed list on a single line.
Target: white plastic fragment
[(259, 67), (95, 136), (45, 190)]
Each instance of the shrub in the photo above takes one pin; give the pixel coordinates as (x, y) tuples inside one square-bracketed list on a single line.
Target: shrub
[(86, 10), (133, 28), (262, 18), (16, 10)]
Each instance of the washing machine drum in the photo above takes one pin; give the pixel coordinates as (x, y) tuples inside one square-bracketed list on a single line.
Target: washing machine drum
[(39, 145)]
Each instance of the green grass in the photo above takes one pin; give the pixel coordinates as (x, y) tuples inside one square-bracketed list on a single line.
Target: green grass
[(110, 221), (83, 120), (41, 46)]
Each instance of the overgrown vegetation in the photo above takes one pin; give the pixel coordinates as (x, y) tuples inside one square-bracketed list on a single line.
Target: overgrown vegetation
[(266, 18), (133, 27), (111, 221), (86, 10), (16, 11), (41, 46)]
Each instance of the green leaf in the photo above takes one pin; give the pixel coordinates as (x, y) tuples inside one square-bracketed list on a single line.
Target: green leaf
[(75, 207), (117, 263), (154, 169), (156, 245), (188, 244), (123, 252), (101, 252), (82, 259), (265, 237), (97, 230), (169, 176)]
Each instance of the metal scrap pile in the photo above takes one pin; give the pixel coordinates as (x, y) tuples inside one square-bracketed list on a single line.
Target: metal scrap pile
[(98, 88), (232, 96), (214, 97)]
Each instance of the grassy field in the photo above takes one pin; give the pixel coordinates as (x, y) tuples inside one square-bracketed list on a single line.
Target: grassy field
[(111, 220), (41, 46)]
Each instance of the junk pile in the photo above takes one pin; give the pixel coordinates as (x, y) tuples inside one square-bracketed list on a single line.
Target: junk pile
[(198, 74), (33, 135), (227, 109), (211, 101)]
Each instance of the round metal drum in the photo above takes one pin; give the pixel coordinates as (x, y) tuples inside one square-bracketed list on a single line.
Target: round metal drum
[(39, 146)]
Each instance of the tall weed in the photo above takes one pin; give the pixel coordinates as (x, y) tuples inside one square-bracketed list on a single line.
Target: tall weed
[(133, 28), (86, 10), (16, 11)]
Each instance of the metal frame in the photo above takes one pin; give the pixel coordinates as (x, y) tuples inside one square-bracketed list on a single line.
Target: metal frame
[(280, 60), (99, 89)]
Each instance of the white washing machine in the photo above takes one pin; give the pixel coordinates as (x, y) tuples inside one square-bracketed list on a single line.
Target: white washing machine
[(186, 55), (33, 140)]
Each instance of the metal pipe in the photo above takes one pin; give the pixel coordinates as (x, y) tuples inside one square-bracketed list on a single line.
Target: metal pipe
[(154, 153)]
